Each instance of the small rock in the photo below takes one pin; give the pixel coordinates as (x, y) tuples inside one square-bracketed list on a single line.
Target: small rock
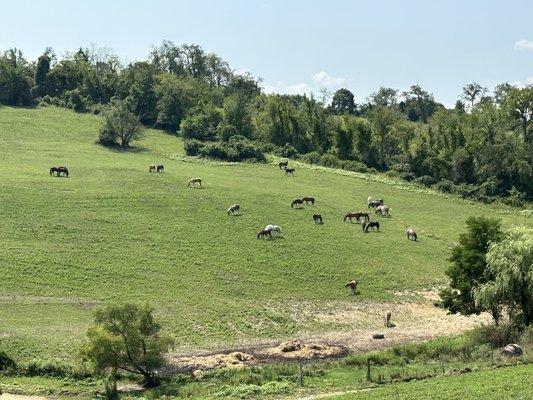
[(512, 350), (378, 336)]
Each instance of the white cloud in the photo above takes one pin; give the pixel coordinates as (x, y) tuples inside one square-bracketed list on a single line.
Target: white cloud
[(529, 81), (524, 44), (324, 79), (299, 88)]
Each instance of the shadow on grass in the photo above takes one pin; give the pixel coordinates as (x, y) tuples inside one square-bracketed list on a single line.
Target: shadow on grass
[(115, 148)]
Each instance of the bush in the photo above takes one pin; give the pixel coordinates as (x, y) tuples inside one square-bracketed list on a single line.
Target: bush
[(288, 151), (392, 174), (425, 180), (192, 147), (445, 186), (236, 149), (74, 100), (354, 166), (466, 190), (494, 335), (329, 160), (7, 364), (311, 158), (408, 176), (55, 368)]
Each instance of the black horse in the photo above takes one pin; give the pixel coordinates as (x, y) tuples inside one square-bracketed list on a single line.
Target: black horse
[(370, 225), (264, 233), (318, 219), (58, 171), (309, 200), (289, 171), (160, 168), (283, 164)]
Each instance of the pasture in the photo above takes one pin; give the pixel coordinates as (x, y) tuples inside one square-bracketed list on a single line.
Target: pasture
[(112, 231)]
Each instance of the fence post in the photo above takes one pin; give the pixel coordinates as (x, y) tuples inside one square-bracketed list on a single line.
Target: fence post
[(368, 377), (301, 375)]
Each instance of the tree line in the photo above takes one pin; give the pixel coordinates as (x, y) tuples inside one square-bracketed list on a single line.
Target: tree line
[(482, 148)]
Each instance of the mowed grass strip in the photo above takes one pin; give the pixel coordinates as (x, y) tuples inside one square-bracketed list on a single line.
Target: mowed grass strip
[(114, 232)]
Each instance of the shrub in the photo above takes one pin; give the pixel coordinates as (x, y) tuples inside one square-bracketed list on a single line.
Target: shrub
[(311, 158), (288, 151), (192, 147), (354, 166), (329, 160), (392, 173), (74, 100), (408, 176), (466, 190), (425, 180), (445, 186), (494, 335), (7, 364), (251, 390)]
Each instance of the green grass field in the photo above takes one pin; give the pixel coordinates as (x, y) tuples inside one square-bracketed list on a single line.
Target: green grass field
[(114, 232)]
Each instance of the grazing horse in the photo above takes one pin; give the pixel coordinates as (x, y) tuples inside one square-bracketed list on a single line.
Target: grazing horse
[(289, 171), (357, 216), (375, 203), (296, 201), (317, 218), (371, 224), (283, 164), (264, 233), (387, 318), (193, 181), (59, 170), (273, 228), (152, 168), (352, 285), (411, 234), (383, 210), (160, 168), (233, 209), (309, 200)]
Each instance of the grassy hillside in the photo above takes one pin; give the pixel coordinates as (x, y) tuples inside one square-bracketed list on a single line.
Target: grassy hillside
[(112, 231)]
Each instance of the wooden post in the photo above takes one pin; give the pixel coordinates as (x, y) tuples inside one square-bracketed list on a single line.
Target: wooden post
[(368, 377), (301, 374)]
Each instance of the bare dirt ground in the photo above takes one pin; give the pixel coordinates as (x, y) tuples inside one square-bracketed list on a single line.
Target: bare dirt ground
[(349, 326)]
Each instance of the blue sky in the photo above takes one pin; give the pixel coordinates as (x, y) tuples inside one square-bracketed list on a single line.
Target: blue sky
[(302, 46)]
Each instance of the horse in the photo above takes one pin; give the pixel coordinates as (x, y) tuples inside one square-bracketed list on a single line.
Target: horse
[(309, 200), (264, 233), (383, 210), (160, 168), (152, 168), (357, 216), (54, 170), (352, 285), (192, 181), (296, 201), (289, 171), (283, 164), (371, 224), (411, 234), (317, 218), (59, 170), (233, 209), (273, 228)]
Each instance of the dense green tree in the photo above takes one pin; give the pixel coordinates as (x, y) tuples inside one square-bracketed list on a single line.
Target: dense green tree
[(343, 102), (15, 79), (128, 338), (384, 97), (120, 125), (472, 92), (418, 105), (510, 262), (469, 267)]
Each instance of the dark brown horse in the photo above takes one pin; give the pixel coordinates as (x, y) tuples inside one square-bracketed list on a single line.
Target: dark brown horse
[(370, 225), (375, 203), (289, 171), (283, 164), (264, 232), (357, 216), (59, 170), (352, 285), (297, 202), (160, 168), (309, 200), (318, 219), (411, 234)]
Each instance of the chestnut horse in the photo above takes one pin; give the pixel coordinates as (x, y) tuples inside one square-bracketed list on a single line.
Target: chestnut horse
[(59, 170), (356, 215), (192, 181), (297, 202), (309, 200)]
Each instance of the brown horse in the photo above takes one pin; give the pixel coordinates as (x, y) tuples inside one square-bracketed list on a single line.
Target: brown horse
[(297, 202), (59, 170), (309, 200), (370, 225), (318, 219), (289, 171), (193, 181), (375, 203), (160, 168), (233, 209), (283, 164), (352, 285), (152, 168), (357, 216), (264, 233)]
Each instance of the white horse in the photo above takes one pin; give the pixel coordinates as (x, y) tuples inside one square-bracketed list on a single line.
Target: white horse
[(274, 229), (383, 210)]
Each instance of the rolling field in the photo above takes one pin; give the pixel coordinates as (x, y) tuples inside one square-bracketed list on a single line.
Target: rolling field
[(114, 232)]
